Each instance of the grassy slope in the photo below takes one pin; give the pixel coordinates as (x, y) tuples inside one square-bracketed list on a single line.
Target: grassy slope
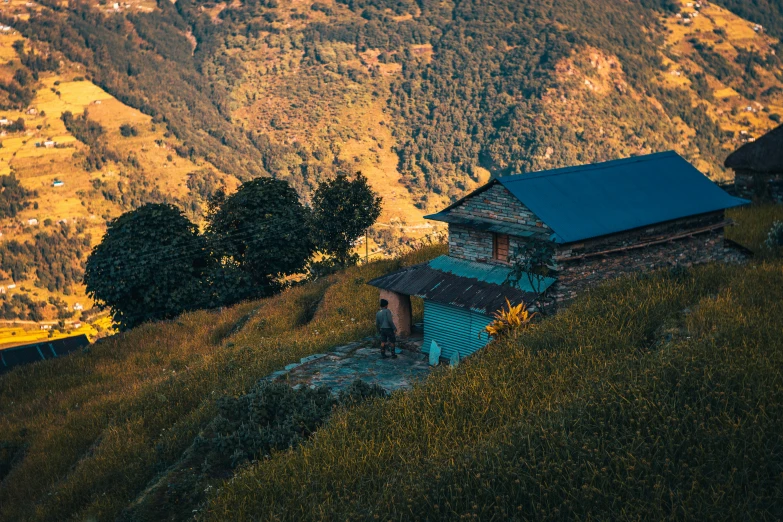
[(651, 397), (83, 436)]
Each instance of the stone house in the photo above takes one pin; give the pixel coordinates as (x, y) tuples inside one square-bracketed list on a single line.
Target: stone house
[(600, 221), (758, 167)]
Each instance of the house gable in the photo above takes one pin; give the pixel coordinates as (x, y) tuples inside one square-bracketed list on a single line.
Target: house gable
[(478, 218), (497, 204)]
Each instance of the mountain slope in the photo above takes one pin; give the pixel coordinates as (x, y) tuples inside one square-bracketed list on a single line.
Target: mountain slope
[(77, 180), (428, 99)]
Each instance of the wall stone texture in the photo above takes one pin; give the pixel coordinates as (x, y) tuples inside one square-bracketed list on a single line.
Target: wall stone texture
[(476, 245), (758, 185), (498, 204), (578, 275)]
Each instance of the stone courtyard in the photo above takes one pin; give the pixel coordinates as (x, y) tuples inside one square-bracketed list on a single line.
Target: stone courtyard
[(338, 368)]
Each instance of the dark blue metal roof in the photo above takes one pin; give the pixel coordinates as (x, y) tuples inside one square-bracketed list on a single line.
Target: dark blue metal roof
[(605, 198), (18, 355)]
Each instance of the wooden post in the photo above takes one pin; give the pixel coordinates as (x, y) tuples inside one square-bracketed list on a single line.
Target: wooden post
[(366, 246)]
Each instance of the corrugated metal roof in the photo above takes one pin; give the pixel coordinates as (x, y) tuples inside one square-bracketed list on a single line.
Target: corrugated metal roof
[(605, 198), (473, 291), (486, 272), (18, 355)]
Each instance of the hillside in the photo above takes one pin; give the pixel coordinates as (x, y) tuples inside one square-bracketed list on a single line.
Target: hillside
[(97, 180), (102, 434), (428, 99)]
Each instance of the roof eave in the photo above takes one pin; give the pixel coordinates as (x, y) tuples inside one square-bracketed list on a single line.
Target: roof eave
[(564, 241), (479, 190)]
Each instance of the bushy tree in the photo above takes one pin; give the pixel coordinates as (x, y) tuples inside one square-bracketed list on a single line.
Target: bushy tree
[(149, 266), (258, 235), (13, 196), (342, 210), (127, 130)]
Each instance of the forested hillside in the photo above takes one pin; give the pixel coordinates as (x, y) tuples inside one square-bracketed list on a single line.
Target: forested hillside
[(427, 98)]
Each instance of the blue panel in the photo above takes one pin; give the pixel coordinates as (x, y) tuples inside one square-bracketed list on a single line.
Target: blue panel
[(486, 272), (454, 329), (605, 198)]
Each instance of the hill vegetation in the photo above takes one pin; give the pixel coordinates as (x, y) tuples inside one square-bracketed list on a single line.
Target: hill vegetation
[(644, 370), (428, 99), (125, 410)]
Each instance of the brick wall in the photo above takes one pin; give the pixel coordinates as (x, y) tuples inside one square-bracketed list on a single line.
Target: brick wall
[(756, 185), (498, 204)]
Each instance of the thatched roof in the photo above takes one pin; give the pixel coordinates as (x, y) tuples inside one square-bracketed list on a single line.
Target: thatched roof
[(763, 155)]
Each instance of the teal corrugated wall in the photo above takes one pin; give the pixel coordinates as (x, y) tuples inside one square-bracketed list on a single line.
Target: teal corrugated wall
[(454, 329)]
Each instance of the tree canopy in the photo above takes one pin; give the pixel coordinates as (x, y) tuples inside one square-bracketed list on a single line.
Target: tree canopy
[(259, 234), (149, 266), (342, 210), (13, 196)]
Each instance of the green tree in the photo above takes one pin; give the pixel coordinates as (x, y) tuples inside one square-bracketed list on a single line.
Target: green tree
[(257, 235), (13, 196), (149, 266), (533, 263), (342, 210)]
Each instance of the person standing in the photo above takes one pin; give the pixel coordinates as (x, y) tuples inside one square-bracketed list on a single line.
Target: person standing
[(384, 323)]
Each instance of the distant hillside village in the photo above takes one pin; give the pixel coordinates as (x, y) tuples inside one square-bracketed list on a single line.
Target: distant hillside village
[(543, 238)]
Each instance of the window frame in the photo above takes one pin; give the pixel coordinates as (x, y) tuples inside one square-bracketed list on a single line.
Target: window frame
[(497, 240)]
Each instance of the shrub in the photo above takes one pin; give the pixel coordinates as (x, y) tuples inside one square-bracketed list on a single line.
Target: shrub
[(509, 321), (775, 236), (127, 130)]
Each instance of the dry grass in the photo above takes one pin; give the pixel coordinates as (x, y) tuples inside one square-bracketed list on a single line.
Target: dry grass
[(752, 224), (651, 398), (96, 427), (82, 436)]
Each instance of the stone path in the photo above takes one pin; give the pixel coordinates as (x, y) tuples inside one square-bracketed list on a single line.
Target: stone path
[(360, 360)]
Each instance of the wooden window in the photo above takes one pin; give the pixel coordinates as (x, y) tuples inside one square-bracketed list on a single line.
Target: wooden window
[(500, 247)]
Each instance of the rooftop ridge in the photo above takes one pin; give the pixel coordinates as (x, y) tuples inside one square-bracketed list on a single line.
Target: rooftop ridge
[(588, 166)]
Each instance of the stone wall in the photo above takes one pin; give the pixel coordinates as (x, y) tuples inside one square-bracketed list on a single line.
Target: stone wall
[(476, 245), (639, 235), (498, 204), (469, 243), (756, 185), (575, 276), (494, 204)]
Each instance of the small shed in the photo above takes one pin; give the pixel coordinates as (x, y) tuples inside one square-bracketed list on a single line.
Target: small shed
[(758, 167), (459, 296)]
